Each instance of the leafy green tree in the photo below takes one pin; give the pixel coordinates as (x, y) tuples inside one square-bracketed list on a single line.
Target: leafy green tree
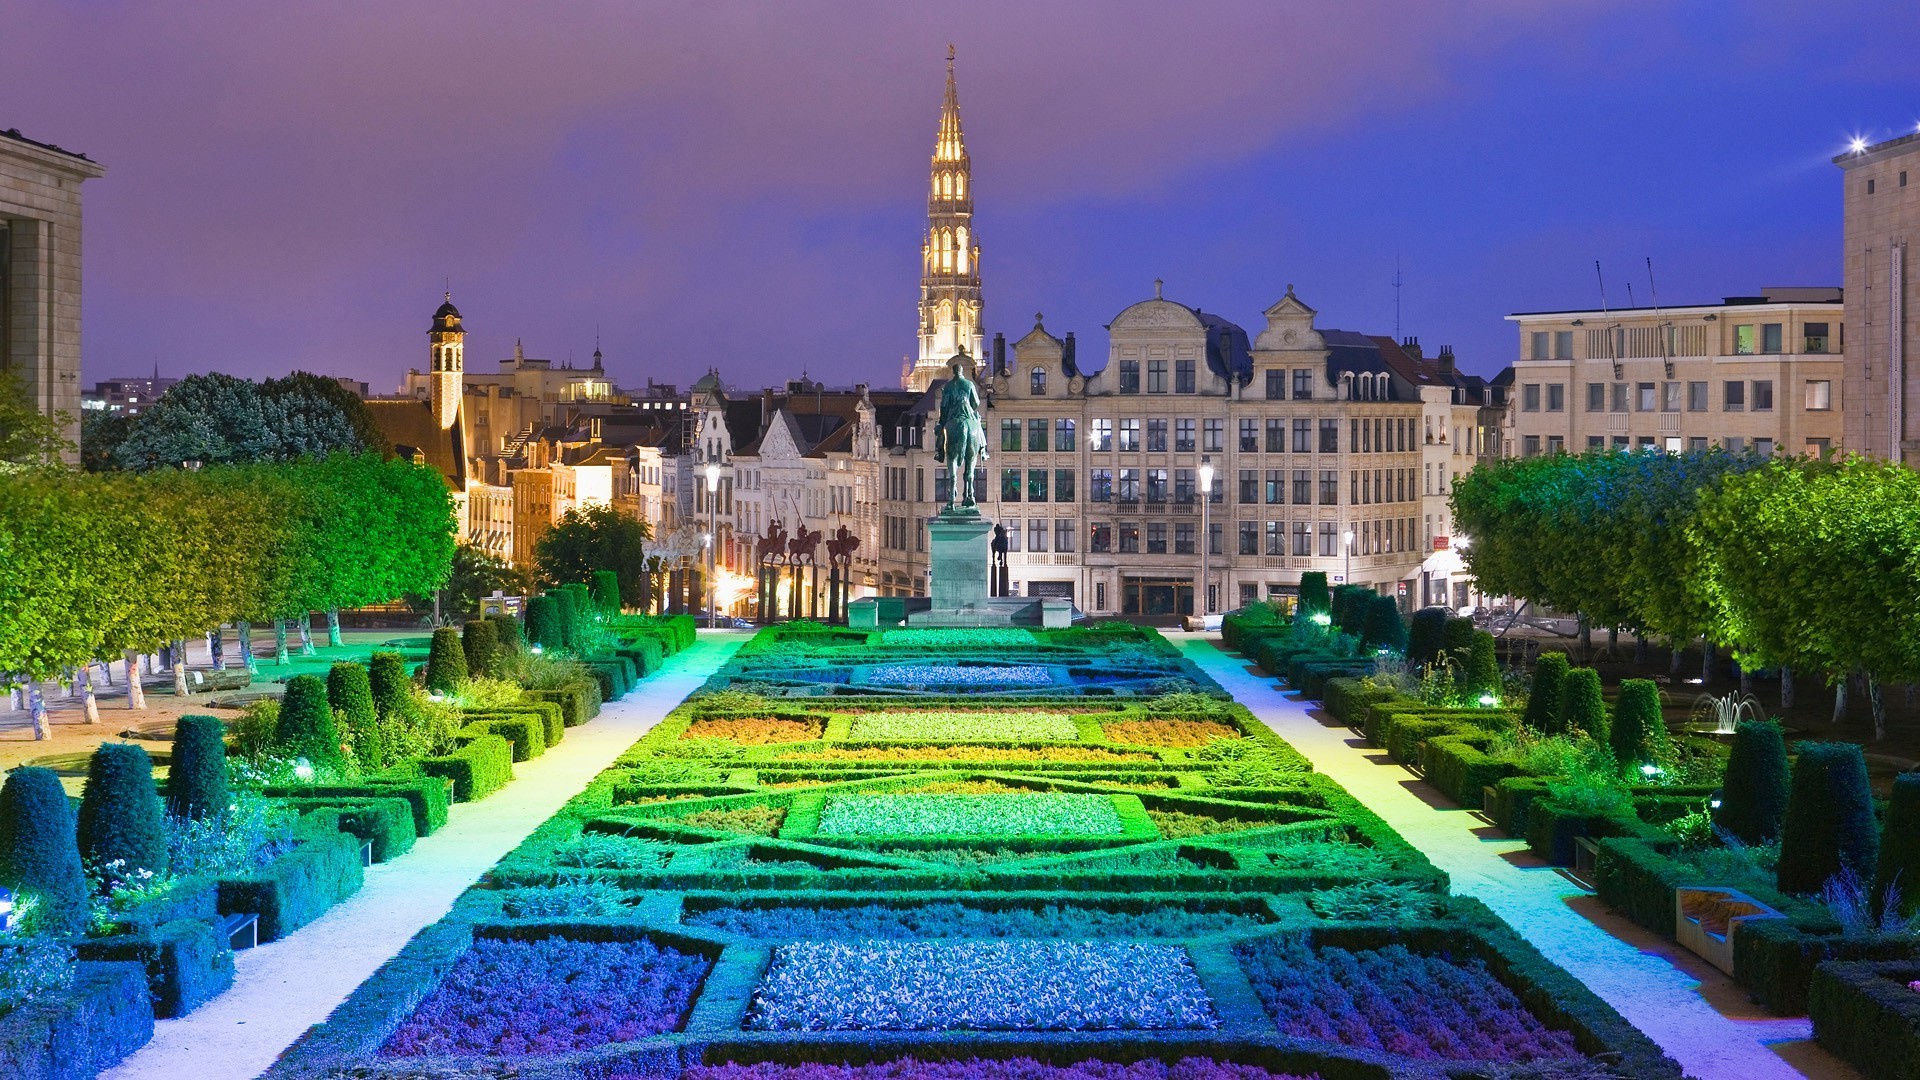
[(101, 433), (306, 728), (39, 850), (120, 815), (1639, 735), (1582, 706), (1899, 867), (446, 662), (590, 538), (29, 437), (197, 770), (222, 420), (350, 693), (1753, 795), (1829, 824), (1546, 694), (476, 574)]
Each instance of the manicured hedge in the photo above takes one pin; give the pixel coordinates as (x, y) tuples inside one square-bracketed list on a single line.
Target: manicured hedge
[(298, 887), (547, 714), (38, 847), (388, 822), (1868, 1015), (525, 733), (1347, 699), (186, 960), (579, 701), (482, 765), (76, 1033), (1460, 767), (647, 653), (1553, 827), (425, 795)]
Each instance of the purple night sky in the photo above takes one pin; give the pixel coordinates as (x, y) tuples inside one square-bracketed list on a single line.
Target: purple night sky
[(743, 185)]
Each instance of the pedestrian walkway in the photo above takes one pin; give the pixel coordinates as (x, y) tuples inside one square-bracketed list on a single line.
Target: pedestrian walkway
[(283, 988), (1710, 1030)]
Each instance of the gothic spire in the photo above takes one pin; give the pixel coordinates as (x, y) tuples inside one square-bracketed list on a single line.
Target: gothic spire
[(950, 251)]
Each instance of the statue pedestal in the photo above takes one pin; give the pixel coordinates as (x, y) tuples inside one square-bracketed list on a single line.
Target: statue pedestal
[(960, 553)]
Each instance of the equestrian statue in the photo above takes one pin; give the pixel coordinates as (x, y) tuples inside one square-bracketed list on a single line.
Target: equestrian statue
[(960, 443)]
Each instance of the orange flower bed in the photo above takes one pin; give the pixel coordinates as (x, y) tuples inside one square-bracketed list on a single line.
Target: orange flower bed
[(1175, 733), (967, 753), (753, 731)]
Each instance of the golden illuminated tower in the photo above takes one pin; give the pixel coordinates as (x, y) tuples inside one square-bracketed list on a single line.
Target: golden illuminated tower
[(448, 341), (950, 255)]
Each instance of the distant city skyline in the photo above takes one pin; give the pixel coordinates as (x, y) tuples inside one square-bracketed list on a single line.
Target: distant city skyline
[(743, 187)]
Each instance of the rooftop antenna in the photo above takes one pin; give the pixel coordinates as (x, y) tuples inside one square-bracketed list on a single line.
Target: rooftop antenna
[(1666, 328), (1606, 318), (1396, 296)]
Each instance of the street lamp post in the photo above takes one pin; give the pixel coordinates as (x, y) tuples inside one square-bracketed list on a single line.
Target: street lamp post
[(1346, 577), (713, 487), (1206, 534)]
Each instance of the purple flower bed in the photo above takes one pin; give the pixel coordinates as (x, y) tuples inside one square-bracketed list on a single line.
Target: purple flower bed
[(992, 1069), (552, 996), (1401, 1002)]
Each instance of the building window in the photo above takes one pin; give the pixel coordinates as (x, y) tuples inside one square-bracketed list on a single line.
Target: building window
[(1184, 486), (1249, 538), (1596, 442), (1734, 444), (1696, 397), (1819, 395), (1129, 436), (1037, 485), (1100, 537), (1276, 436), (1129, 376), (1763, 447), (1249, 485), (1302, 435), (1183, 381), (1063, 538), (1329, 537), (1214, 532), (1010, 485), (1556, 444), (1063, 485), (1009, 435), (1556, 397), (1013, 534), (1763, 395), (1696, 443), (1063, 435), (1183, 436), (1214, 436), (1670, 397), (1276, 385), (1099, 596), (1735, 399), (1102, 440), (1036, 534), (1771, 338), (1129, 485), (1819, 448), (1276, 485), (1743, 340), (1183, 537), (1541, 345), (1329, 487), (1596, 397), (1643, 397), (1816, 334), (1129, 538), (1100, 485), (1156, 538), (1329, 436), (1276, 538), (1869, 187), (1037, 382), (1530, 445), (1563, 344), (1530, 397), (1036, 435), (1303, 384), (1302, 487), (1156, 436), (1156, 485), (1156, 376), (1303, 538), (1249, 435), (1619, 397)]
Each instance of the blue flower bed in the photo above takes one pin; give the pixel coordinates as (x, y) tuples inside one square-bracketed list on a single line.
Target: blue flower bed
[(1429, 1007), (890, 921), (954, 675), (1020, 1068), (551, 996), (980, 985)]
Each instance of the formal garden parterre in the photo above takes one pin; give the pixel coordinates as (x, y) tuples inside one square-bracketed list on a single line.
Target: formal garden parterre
[(1114, 873)]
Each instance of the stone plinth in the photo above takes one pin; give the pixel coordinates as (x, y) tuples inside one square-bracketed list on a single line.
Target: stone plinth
[(960, 551)]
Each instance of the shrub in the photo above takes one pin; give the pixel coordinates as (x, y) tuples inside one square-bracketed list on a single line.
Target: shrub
[(1383, 628), (447, 661), (387, 676), (507, 633), (306, 728), (1639, 734), (1313, 592), (478, 769), (545, 622), (197, 774), (1829, 821), (569, 618), (39, 851), (1482, 667), (299, 886), (350, 691), (479, 639), (1544, 697), (1350, 607), (1457, 641), (1427, 635), (606, 592), (1753, 799), (1582, 708), (82, 1030), (1899, 867), (120, 817)]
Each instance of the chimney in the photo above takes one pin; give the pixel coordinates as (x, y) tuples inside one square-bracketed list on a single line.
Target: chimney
[(1411, 346), (999, 354), (1068, 361), (1446, 359)]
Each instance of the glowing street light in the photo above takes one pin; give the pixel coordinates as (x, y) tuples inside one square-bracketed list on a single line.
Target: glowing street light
[(713, 486), (1346, 578), (1206, 533)]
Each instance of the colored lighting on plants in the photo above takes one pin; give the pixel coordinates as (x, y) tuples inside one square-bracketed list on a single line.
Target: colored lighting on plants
[(6, 910), (1488, 700), (1650, 771), (303, 770), (1321, 618), (536, 649)]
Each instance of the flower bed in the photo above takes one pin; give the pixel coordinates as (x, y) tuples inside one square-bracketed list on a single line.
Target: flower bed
[(991, 1069), (1390, 999), (953, 727), (957, 677), (753, 820), (550, 996), (970, 815), (937, 920), (982, 638), (753, 731), (1169, 733), (979, 985), (967, 753)]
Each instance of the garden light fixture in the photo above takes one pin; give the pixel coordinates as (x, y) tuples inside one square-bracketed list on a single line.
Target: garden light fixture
[(6, 910), (1321, 618), (1487, 700), (303, 770)]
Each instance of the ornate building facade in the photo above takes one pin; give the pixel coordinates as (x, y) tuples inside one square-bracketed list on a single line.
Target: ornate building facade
[(950, 306)]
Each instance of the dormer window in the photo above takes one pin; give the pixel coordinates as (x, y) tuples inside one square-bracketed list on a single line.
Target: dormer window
[(1037, 382)]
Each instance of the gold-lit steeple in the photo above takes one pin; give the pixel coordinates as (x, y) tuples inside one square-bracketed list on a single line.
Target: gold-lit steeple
[(949, 252)]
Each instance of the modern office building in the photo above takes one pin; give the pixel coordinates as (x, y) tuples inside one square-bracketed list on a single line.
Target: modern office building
[(1881, 204)]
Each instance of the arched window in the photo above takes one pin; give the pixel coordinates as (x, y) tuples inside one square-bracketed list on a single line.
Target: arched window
[(960, 186), (1038, 382)]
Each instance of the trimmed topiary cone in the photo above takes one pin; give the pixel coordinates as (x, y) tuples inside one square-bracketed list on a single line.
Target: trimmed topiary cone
[(1350, 608), (1829, 824), (1314, 597), (1899, 867), (1549, 687), (1457, 639), (480, 640), (507, 634), (350, 692), (1483, 666), (1753, 795), (1639, 731), (446, 662), (606, 592), (120, 817), (581, 601), (197, 771), (387, 677), (1427, 635), (546, 623), (306, 727), (40, 851), (569, 625), (1582, 708), (1383, 628)]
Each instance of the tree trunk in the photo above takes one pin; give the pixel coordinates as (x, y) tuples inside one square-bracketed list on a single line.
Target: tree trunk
[(1746, 679), (42, 728), (1706, 662), (1786, 688), (333, 628), (280, 642), (246, 647), (180, 670), (1586, 639), (1673, 663), (1840, 698), (136, 694), (16, 695), (1640, 651), (306, 633), (1879, 702), (89, 703), (217, 648)]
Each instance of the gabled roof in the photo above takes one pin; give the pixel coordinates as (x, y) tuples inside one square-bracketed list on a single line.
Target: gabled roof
[(412, 431)]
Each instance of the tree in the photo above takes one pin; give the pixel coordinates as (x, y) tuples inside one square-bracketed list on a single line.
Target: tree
[(1639, 734), (306, 728), (101, 433), (589, 538), (29, 437), (1899, 866), (350, 693), (120, 816), (197, 771), (446, 662), (222, 420), (1582, 707), (476, 574), (1545, 696), (1829, 824), (1753, 794), (1314, 599), (39, 849)]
